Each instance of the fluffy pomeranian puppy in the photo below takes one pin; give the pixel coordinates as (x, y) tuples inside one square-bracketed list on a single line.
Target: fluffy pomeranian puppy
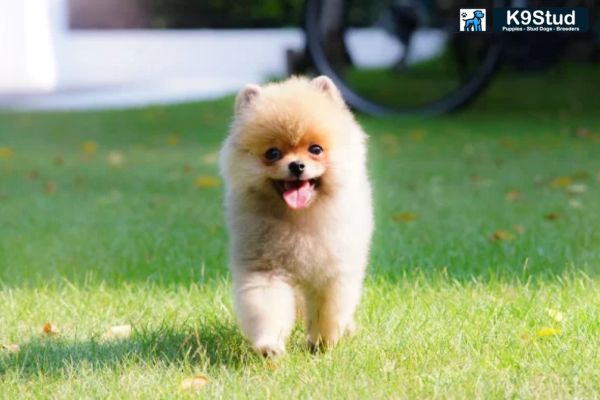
[(299, 213)]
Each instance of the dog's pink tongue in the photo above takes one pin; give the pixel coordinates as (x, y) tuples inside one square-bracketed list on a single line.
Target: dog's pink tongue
[(298, 197)]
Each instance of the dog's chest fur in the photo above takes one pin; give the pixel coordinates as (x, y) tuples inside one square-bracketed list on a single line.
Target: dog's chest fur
[(301, 249)]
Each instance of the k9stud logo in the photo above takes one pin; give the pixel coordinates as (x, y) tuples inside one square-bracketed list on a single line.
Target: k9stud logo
[(473, 19)]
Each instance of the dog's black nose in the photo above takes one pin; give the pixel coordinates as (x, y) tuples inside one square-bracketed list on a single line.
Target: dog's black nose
[(296, 168)]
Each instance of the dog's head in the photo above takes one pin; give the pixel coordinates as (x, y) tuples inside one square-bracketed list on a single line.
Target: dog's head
[(478, 14), (290, 142)]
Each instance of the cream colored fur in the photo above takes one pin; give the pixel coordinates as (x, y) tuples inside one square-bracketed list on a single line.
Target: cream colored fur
[(320, 252)]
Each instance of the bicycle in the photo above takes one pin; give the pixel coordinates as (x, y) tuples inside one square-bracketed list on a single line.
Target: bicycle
[(409, 57)]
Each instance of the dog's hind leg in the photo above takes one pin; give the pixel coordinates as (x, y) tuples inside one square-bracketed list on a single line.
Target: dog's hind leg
[(265, 306)]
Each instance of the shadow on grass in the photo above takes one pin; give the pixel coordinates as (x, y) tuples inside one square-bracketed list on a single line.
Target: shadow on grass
[(215, 343)]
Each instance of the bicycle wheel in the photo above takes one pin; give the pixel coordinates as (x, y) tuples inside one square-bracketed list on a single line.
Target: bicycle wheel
[(401, 56)]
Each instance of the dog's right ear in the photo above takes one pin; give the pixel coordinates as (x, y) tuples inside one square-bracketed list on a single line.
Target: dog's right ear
[(246, 96)]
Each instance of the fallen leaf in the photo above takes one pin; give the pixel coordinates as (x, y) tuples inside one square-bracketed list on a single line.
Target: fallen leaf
[(118, 332), (507, 143), (173, 140), (206, 182), (389, 139), (552, 216), (501, 235), (210, 158), (580, 175), (115, 158), (513, 195), (539, 180), (390, 144), (6, 153), (561, 182), (577, 188), (519, 228), (417, 135), (404, 217), (89, 147), (575, 203), (33, 175), (50, 187), (50, 329), (10, 347), (545, 332), (583, 133), (555, 314), (480, 180), (195, 383)]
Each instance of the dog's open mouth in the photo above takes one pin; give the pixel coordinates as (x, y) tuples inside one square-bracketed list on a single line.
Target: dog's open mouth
[(297, 194)]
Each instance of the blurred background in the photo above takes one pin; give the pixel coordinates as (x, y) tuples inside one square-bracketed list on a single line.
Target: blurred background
[(388, 56), (86, 53)]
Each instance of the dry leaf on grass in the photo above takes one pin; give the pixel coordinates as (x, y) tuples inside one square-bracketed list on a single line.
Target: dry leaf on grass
[(118, 332), (513, 195), (404, 217), (417, 135), (580, 175), (206, 182), (583, 133), (33, 175), (501, 235), (577, 188), (561, 182), (519, 228), (10, 347), (546, 332), (555, 314), (210, 158), (89, 147), (50, 329), (195, 383), (507, 143), (50, 187), (552, 216), (6, 153), (115, 158), (575, 203), (173, 140), (58, 161)]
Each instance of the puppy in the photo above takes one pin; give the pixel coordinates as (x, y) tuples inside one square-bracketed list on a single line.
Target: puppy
[(299, 213)]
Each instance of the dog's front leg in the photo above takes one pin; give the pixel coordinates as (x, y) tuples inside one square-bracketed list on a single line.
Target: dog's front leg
[(330, 311), (265, 306)]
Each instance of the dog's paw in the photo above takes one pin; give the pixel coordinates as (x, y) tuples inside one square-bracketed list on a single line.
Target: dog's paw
[(269, 349)]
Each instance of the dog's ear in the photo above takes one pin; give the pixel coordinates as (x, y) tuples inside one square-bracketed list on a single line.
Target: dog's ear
[(327, 86), (246, 96)]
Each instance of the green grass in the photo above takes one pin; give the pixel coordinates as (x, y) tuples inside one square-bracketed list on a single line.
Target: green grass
[(447, 311)]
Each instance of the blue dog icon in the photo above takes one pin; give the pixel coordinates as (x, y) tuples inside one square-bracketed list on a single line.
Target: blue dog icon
[(474, 24)]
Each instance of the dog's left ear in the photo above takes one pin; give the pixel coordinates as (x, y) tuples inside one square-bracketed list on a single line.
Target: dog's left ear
[(327, 86)]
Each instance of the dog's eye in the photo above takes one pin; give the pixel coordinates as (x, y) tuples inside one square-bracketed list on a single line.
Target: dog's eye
[(273, 154), (315, 149)]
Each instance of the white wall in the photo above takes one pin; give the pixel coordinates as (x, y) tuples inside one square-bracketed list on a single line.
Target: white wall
[(39, 53), (27, 51), (92, 58)]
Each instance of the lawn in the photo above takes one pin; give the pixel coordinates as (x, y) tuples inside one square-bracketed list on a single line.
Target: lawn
[(484, 278)]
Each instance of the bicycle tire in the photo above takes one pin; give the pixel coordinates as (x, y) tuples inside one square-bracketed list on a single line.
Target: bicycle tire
[(455, 100)]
